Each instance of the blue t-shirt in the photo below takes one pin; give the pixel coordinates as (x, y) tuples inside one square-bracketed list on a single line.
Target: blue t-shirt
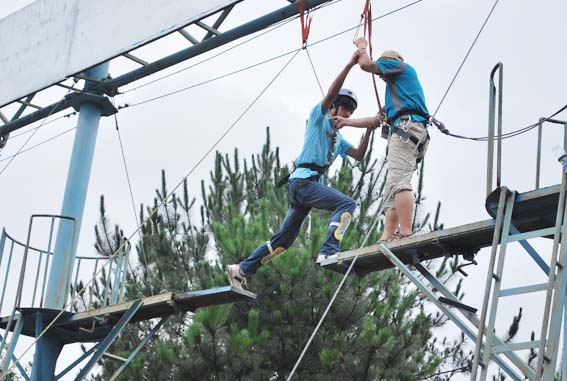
[(403, 90), (318, 139)]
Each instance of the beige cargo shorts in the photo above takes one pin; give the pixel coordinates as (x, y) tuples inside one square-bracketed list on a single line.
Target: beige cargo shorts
[(402, 160)]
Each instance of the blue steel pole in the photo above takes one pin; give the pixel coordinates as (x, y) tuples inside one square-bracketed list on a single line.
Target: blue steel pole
[(49, 346), (74, 199)]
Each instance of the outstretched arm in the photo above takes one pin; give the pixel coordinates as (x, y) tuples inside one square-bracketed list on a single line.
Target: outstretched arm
[(364, 60), (338, 82), (358, 153), (368, 122)]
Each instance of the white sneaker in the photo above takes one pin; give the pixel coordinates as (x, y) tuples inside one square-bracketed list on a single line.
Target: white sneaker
[(325, 257), (235, 276)]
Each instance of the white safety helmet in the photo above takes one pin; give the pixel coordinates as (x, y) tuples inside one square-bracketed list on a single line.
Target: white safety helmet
[(348, 94)]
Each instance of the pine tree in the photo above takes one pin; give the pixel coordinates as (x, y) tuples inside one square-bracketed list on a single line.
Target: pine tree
[(378, 327)]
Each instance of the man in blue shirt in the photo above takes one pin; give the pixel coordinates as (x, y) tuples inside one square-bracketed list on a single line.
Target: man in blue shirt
[(407, 116), (306, 189)]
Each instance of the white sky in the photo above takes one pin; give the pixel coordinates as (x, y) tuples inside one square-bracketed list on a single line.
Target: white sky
[(433, 36)]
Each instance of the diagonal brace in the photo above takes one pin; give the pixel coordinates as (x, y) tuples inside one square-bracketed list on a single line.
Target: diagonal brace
[(138, 349), (466, 329), (19, 366), (526, 370), (112, 336)]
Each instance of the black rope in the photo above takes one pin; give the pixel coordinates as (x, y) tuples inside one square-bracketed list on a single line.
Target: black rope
[(208, 59), (374, 19), (33, 134), (314, 71), (209, 80), (510, 134), (466, 57), (274, 27), (258, 63), (35, 146), (133, 203), (44, 124)]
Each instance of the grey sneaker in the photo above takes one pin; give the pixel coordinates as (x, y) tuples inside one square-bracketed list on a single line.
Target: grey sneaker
[(324, 257), (235, 276)]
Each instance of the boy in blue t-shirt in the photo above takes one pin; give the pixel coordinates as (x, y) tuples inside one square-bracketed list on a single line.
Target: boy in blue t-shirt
[(306, 189), (407, 115)]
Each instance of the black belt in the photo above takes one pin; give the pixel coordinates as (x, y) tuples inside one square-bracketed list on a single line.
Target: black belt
[(428, 119), (312, 166), (406, 135), (401, 113)]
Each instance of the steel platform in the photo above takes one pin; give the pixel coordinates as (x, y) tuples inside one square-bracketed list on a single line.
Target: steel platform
[(95, 324), (533, 210)]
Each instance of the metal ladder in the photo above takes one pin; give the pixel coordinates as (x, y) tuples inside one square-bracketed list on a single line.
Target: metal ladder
[(548, 342)]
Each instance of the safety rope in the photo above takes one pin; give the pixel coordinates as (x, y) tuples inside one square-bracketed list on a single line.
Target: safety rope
[(68, 115), (366, 21), (142, 249), (380, 209), (154, 211), (357, 251), (35, 131), (314, 72), (510, 134)]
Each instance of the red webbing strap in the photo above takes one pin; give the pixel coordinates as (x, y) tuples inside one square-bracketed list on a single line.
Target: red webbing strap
[(367, 15), (305, 22)]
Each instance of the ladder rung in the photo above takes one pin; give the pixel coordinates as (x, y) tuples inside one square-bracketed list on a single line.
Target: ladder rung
[(114, 357), (515, 346), (496, 277), (524, 289)]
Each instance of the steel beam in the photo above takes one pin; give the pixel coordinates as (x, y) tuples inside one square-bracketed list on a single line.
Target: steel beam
[(107, 342), (209, 43), (111, 87), (19, 366), (77, 361), (138, 349), (465, 328), (516, 360)]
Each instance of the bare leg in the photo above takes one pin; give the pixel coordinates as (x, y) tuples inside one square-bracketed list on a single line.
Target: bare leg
[(390, 225), (404, 207)]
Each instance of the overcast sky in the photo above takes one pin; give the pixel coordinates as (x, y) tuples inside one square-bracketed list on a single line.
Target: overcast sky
[(173, 133)]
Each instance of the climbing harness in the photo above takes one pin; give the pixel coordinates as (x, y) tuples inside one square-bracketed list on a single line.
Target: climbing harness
[(403, 131), (312, 166)]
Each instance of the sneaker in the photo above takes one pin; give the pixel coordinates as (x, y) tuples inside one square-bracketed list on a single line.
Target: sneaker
[(324, 257), (235, 276)]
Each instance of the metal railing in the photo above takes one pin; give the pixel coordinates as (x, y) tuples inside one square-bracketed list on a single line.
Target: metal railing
[(539, 139), (491, 115), (493, 97), (24, 274)]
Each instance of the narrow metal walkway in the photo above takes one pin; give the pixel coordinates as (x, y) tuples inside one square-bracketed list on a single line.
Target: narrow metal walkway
[(534, 210), (95, 324)]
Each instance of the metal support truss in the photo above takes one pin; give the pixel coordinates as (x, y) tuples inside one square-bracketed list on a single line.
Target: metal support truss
[(488, 345), (18, 365), (448, 312), (107, 342), (209, 42), (135, 352)]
